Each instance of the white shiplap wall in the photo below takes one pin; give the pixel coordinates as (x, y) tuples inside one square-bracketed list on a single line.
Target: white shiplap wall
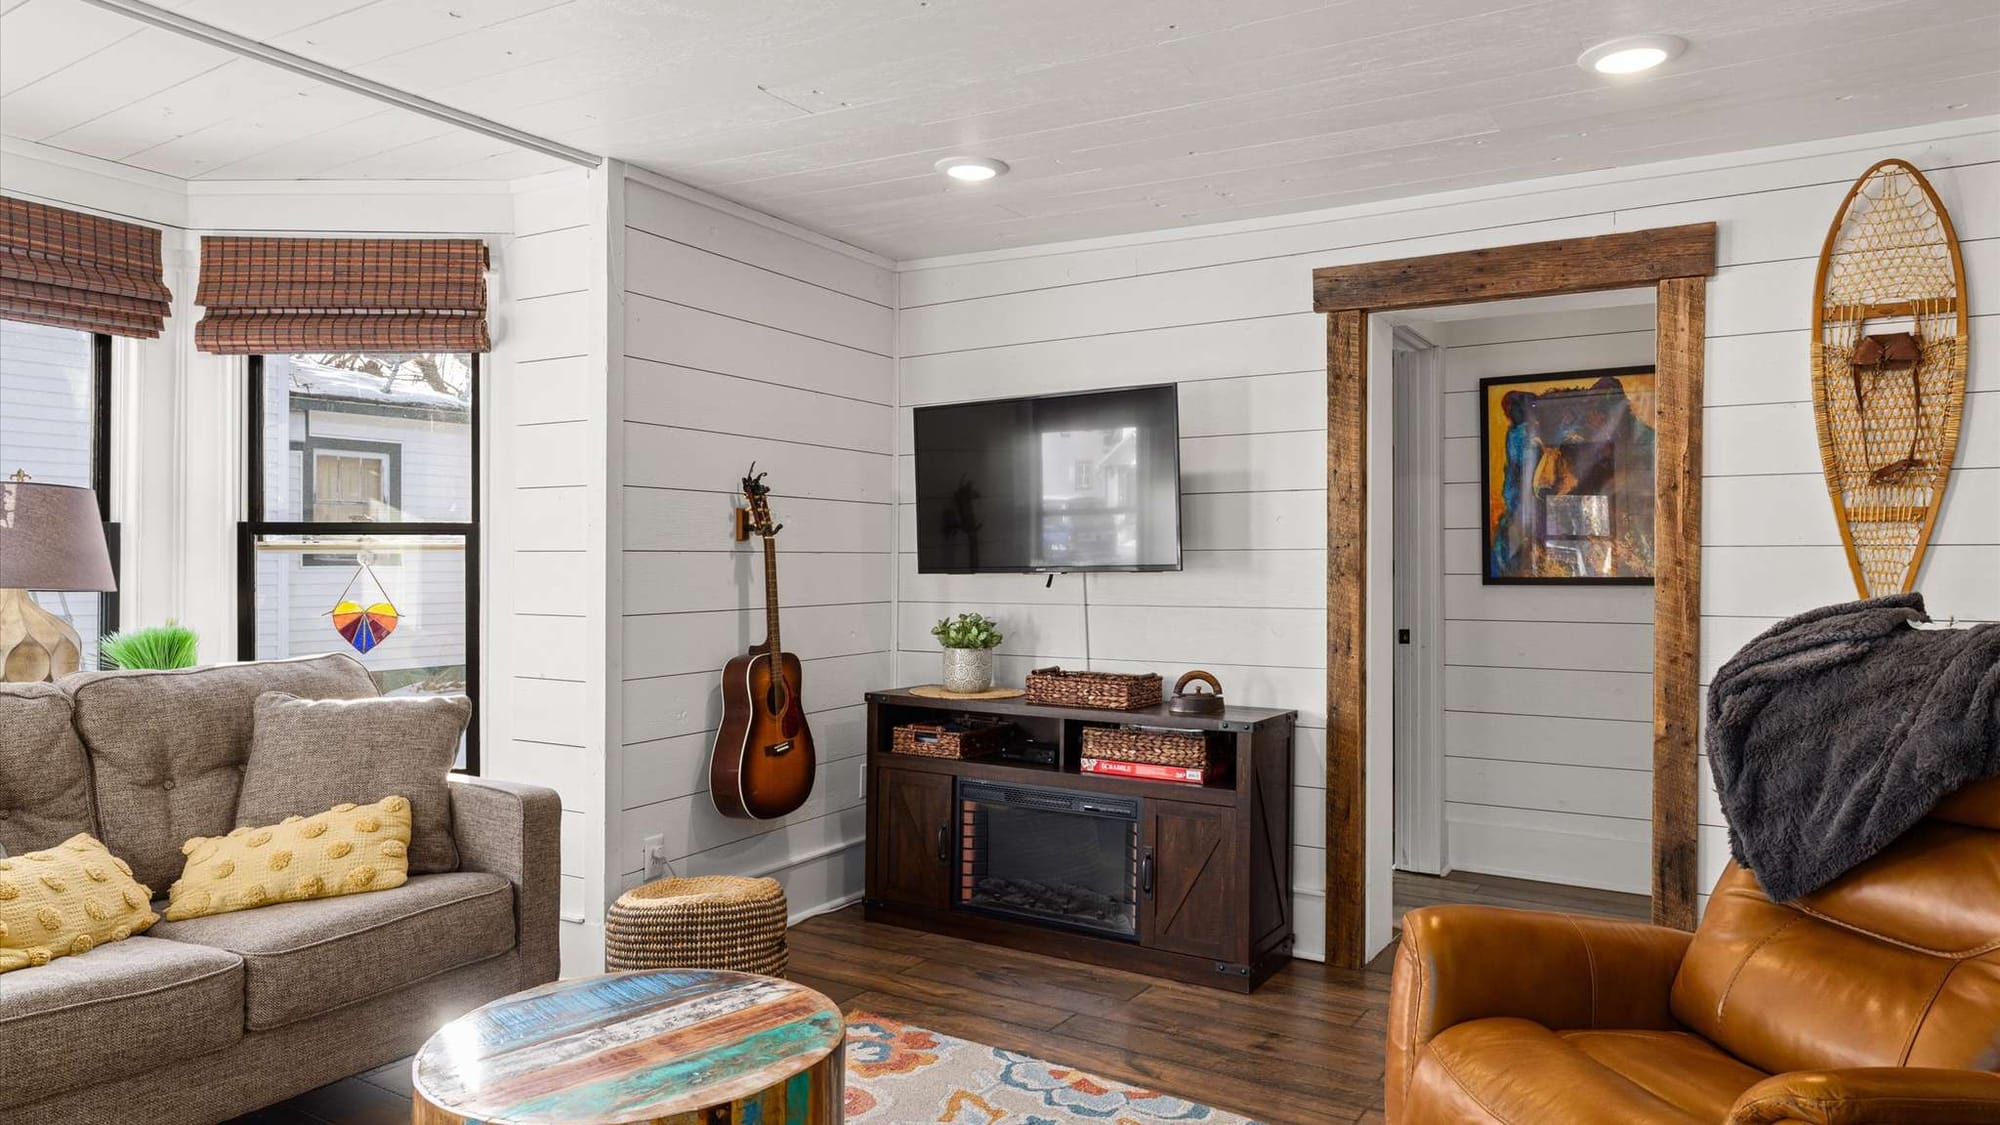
[(763, 312), (547, 410), (1225, 311), (745, 341), (1548, 735), (1249, 604)]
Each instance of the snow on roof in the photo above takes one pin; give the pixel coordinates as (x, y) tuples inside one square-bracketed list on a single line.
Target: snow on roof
[(357, 386)]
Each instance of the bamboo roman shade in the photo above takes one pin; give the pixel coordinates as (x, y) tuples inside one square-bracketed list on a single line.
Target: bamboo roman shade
[(279, 295), (73, 270)]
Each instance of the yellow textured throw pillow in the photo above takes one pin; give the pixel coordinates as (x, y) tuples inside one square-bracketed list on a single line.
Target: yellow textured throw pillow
[(68, 899), (344, 851)]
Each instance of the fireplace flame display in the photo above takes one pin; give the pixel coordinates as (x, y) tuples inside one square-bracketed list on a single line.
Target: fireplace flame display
[(1054, 856)]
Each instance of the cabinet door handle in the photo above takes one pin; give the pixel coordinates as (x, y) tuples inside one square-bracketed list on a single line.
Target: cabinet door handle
[(1146, 874), (944, 856)]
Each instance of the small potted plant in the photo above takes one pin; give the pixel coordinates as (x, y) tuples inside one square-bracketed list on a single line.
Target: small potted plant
[(969, 640)]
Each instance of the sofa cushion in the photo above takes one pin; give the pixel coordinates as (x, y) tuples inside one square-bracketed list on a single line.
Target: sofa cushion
[(1674, 1066), (308, 755), (1510, 1070), (167, 748), (44, 777), (304, 958), (139, 1003)]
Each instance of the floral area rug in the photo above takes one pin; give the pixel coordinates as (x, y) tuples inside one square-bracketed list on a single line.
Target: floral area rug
[(903, 1075)]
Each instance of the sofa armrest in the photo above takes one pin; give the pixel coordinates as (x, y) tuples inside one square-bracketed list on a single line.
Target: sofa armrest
[(1461, 963), (515, 831), (1876, 1095)]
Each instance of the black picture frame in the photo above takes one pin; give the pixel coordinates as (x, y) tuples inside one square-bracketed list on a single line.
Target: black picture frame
[(1486, 575)]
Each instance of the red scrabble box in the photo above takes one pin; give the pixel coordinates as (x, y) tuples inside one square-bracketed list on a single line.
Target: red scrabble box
[(1185, 775)]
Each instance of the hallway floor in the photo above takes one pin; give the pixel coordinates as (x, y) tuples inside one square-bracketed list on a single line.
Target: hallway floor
[(1414, 890)]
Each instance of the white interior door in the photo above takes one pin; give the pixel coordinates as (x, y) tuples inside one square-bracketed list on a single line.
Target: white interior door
[(1418, 664), (1378, 648)]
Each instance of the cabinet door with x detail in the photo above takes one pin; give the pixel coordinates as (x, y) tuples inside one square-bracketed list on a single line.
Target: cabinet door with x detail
[(1187, 861)]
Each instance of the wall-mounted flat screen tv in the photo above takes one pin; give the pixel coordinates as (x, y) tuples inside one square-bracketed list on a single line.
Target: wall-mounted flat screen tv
[(1055, 483)]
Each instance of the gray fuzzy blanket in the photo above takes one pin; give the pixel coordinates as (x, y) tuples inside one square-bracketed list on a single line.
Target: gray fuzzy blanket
[(1837, 730)]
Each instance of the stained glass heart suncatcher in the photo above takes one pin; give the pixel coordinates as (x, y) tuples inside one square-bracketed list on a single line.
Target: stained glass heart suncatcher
[(365, 625), (364, 628)]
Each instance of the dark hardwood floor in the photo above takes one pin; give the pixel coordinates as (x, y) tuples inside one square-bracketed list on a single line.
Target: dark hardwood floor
[(1305, 1049), (379, 1097), (1413, 890)]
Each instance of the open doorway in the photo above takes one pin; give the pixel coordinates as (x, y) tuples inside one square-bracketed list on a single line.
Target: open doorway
[(1675, 262), (1523, 694)]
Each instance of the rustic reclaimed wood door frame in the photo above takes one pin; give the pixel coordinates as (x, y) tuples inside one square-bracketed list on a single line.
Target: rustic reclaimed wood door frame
[(1676, 261)]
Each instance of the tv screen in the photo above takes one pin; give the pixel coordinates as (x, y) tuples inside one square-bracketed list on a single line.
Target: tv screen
[(1061, 482)]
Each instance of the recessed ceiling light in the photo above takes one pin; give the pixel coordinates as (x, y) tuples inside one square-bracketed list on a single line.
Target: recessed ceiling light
[(971, 169), (1631, 54)]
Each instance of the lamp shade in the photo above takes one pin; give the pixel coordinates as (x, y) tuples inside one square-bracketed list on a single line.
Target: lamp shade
[(52, 538)]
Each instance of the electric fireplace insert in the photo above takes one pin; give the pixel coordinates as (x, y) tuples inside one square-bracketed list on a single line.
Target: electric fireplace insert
[(1055, 856)]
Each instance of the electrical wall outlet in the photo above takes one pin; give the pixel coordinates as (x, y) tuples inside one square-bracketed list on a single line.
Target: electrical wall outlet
[(655, 850), (864, 786)]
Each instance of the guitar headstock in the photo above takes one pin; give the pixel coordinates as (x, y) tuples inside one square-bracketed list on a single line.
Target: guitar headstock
[(756, 494)]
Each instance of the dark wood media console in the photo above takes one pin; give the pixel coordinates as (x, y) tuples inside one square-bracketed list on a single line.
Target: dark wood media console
[(1190, 882)]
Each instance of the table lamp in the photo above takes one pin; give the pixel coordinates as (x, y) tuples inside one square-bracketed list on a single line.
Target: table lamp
[(51, 538)]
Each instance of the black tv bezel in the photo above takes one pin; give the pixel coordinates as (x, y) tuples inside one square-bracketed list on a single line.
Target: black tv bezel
[(1180, 515)]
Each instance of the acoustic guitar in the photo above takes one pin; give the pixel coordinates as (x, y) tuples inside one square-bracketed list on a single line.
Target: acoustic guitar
[(762, 765)]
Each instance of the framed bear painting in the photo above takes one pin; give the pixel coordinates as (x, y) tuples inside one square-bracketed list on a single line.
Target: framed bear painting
[(1566, 472)]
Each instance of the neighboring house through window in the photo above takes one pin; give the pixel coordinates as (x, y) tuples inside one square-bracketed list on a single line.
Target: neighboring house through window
[(350, 486), (350, 481)]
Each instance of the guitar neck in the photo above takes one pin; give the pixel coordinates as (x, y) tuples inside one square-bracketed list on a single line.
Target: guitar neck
[(771, 597)]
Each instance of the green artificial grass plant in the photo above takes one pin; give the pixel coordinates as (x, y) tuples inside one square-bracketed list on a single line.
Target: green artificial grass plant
[(163, 646)]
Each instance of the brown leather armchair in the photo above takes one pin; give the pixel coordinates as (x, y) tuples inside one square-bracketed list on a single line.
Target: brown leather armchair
[(1865, 1003)]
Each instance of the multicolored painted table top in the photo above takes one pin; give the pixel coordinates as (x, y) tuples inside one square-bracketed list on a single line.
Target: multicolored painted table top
[(626, 1047)]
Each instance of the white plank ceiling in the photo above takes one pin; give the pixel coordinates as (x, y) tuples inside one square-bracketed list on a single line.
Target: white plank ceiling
[(1117, 115), (90, 81)]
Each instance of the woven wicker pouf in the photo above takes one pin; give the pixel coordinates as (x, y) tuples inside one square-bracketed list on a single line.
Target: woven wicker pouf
[(704, 922)]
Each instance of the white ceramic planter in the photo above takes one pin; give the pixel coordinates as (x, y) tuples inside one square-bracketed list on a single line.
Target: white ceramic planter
[(968, 669)]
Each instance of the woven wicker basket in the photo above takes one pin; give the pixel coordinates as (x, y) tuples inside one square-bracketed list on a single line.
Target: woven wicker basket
[(1187, 749), (1114, 691), (704, 922), (932, 740)]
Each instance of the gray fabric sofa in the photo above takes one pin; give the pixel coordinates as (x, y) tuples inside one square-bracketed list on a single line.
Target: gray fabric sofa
[(201, 1020)]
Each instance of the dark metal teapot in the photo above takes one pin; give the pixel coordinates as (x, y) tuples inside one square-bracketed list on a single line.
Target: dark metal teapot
[(1197, 702)]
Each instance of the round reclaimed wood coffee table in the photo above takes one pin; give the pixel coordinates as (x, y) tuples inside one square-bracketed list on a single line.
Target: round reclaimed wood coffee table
[(667, 1047)]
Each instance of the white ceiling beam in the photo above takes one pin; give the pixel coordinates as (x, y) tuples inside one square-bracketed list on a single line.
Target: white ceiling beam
[(332, 76)]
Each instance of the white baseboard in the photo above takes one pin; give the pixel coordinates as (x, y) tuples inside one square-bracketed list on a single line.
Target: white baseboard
[(1548, 854), (841, 903)]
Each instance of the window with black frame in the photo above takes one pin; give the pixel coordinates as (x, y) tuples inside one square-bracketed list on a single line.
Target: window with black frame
[(363, 534), (55, 427)]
